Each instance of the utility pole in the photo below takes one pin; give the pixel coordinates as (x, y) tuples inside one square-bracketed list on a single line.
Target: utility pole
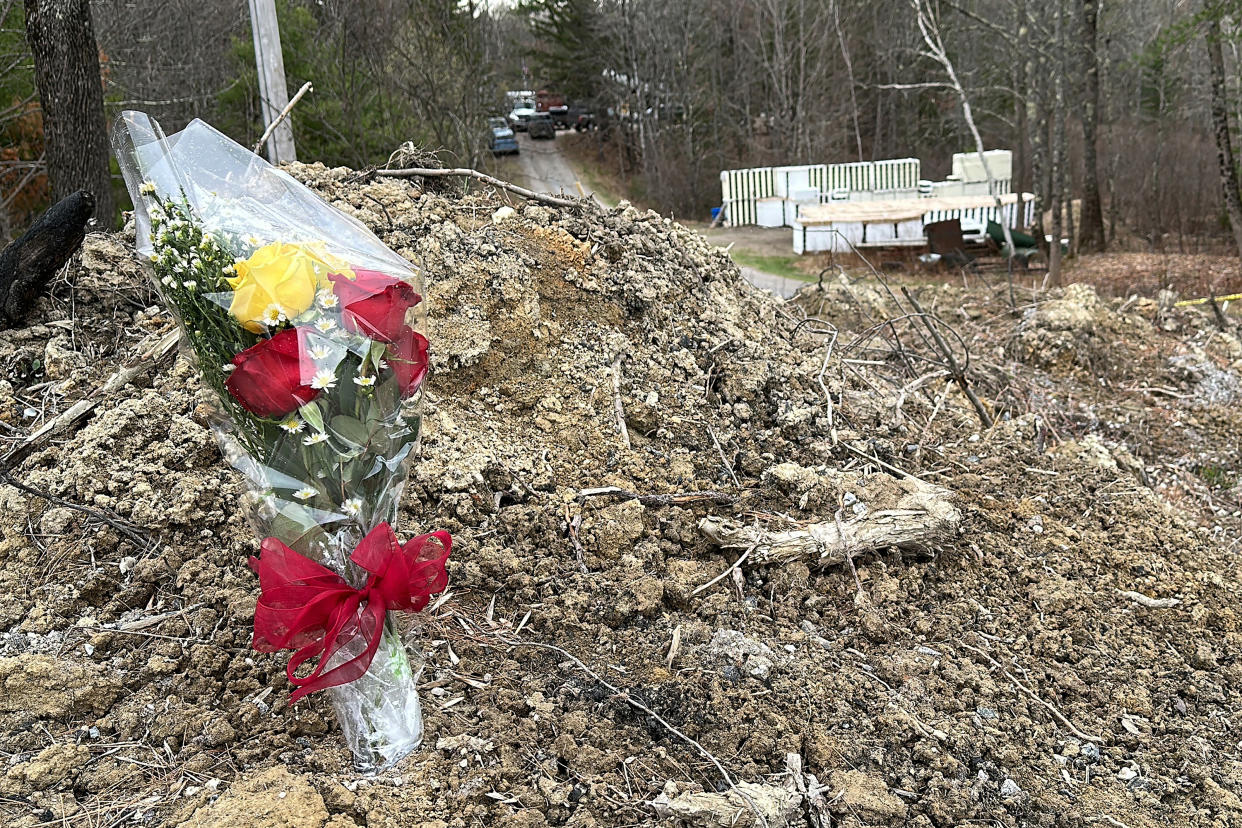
[(273, 94)]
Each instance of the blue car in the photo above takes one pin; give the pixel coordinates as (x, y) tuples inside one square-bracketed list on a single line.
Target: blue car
[(501, 140)]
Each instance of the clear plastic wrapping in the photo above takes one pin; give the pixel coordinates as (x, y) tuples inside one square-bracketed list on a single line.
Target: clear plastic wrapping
[(310, 332)]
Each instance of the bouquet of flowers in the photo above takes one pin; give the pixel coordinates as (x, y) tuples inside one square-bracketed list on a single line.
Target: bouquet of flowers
[(306, 327)]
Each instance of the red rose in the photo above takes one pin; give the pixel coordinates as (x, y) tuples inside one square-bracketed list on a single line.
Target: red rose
[(408, 357), (373, 303), (272, 378)]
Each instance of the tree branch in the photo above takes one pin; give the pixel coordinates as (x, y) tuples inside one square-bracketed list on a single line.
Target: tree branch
[(433, 172)]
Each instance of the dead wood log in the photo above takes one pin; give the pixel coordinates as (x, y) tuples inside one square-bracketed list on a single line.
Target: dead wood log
[(28, 264), (921, 517)]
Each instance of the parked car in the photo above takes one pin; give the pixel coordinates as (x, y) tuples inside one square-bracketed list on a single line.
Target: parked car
[(500, 139), (583, 121), (523, 110), (541, 126)]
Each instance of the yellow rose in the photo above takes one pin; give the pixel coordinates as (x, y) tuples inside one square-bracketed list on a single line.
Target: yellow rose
[(278, 280), (335, 263)]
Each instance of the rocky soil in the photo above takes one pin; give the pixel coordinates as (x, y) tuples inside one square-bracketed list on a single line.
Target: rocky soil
[(1066, 654)]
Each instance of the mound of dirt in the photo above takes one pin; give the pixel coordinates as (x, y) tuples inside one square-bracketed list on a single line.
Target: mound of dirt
[(1061, 650)]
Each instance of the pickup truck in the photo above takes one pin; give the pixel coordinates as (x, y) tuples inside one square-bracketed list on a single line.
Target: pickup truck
[(523, 110), (500, 139)]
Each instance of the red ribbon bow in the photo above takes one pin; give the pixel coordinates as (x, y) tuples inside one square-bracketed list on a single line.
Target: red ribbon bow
[(306, 607)]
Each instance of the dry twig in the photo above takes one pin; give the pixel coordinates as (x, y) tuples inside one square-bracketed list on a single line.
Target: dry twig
[(284, 113), (147, 358), (727, 572), (434, 172), (723, 458), (675, 499), (959, 374), (621, 694), (129, 530), (617, 406), (1034, 696)]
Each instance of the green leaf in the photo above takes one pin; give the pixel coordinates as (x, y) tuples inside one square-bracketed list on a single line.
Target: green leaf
[(351, 430), (313, 416)]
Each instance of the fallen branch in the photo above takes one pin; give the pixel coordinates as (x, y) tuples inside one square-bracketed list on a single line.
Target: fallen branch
[(146, 359), (921, 518), (959, 375), (617, 407), (1146, 601), (129, 530), (676, 499), (435, 172), (284, 113)]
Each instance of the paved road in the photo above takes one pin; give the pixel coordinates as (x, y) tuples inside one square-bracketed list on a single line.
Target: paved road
[(544, 168), (780, 285)]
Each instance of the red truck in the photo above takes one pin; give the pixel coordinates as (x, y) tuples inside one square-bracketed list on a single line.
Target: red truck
[(554, 104)]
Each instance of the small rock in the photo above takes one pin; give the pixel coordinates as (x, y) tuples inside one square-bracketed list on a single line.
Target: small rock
[(735, 808), (219, 733), (39, 685), (868, 797), (273, 798), (60, 360), (753, 657), (1010, 789), (53, 764), (1204, 658)]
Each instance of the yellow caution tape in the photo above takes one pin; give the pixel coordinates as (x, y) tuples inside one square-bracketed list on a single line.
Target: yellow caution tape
[(1204, 301)]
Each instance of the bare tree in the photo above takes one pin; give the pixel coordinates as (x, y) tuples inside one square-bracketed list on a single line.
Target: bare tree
[(1057, 182), (1091, 227), (1220, 127), (929, 27)]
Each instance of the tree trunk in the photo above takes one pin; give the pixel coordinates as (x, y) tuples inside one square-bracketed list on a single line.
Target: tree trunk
[(1058, 152), (62, 40), (1220, 127), (1022, 94), (1091, 227), (1037, 128)]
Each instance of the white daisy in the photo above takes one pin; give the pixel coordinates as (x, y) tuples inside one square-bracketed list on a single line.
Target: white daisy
[(305, 493), (364, 382), (327, 299), (228, 369), (323, 379), (319, 351), (352, 506), (272, 315), (293, 425), (154, 258), (325, 324), (147, 188), (313, 439), (189, 284)]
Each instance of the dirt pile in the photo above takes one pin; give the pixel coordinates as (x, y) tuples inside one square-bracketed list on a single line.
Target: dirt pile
[(603, 384)]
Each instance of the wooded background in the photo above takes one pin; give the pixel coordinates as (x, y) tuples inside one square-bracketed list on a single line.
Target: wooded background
[(1123, 109)]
